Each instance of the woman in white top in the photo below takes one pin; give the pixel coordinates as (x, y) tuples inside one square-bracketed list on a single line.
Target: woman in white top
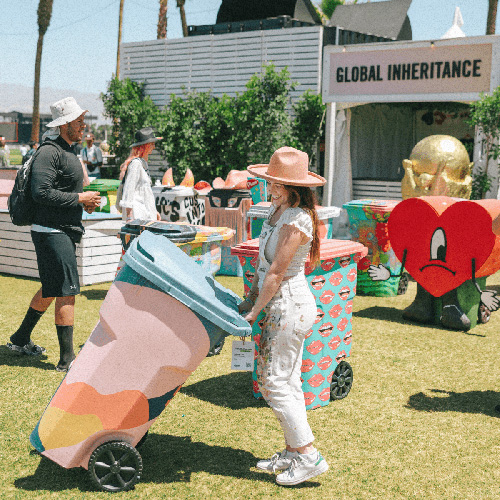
[(138, 201), (288, 236)]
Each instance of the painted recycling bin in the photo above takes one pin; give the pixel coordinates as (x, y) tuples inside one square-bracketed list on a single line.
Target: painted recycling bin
[(179, 204), (202, 243), (107, 189), (157, 323), (368, 225), (326, 217), (325, 372)]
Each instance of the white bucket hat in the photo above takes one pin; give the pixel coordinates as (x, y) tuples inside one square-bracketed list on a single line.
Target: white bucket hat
[(64, 111)]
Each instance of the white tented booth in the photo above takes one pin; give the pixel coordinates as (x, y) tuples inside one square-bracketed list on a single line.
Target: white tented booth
[(383, 98)]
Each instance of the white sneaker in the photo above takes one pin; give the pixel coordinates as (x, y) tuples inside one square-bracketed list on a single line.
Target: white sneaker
[(301, 469), (279, 461)]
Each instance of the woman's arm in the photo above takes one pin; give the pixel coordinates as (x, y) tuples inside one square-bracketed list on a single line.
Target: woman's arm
[(289, 240)]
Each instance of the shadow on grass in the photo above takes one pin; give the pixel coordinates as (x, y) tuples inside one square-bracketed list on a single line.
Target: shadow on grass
[(464, 402), (8, 358), (25, 278), (386, 314), (233, 391), (94, 294), (166, 459)]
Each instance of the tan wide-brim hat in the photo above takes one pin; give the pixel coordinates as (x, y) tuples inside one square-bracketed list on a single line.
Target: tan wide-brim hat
[(64, 111), (288, 166)]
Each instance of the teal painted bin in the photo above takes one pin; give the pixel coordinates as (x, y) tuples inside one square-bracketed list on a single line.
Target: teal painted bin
[(325, 372)]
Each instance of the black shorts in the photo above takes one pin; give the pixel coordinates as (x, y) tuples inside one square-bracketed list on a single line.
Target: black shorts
[(56, 257)]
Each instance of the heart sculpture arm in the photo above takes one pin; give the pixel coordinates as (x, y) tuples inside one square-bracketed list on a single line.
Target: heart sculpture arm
[(489, 298), (379, 273)]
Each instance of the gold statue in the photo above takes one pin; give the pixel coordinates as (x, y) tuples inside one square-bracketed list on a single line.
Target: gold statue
[(439, 165)]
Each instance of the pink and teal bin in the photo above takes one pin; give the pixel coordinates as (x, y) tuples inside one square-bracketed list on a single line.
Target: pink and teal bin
[(161, 316), (368, 225), (325, 372)]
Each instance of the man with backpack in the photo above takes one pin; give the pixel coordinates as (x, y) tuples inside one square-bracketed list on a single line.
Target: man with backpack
[(59, 200)]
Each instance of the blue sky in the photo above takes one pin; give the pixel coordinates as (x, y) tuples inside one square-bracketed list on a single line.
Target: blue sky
[(80, 45)]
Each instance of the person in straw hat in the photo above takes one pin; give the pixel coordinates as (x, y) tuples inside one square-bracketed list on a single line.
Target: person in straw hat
[(135, 197), (288, 236), (57, 190)]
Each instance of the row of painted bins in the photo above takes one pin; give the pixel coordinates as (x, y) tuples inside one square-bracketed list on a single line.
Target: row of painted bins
[(325, 372)]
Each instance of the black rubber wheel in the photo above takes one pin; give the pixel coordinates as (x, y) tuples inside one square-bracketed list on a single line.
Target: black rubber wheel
[(484, 314), (115, 466), (341, 381), (403, 284), (217, 348)]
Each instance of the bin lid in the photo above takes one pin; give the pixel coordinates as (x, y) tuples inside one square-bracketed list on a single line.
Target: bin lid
[(103, 185), (160, 261), (173, 192), (261, 211), (373, 205), (328, 248), (174, 232)]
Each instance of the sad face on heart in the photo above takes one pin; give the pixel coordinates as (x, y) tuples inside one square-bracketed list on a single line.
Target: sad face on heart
[(442, 237)]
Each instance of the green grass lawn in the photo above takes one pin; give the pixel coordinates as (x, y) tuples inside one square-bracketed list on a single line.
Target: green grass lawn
[(15, 157), (419, 422)]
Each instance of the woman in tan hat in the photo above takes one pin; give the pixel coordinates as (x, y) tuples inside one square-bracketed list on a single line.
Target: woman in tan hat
[(288, 236), (136, 198)]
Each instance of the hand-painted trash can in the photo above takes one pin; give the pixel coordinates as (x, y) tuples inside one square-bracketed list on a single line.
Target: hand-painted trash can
[(325, 372), (107, 189), (157, 323), (201, 243), (368, 225), (229, 207), (179, 204), (326, 217)]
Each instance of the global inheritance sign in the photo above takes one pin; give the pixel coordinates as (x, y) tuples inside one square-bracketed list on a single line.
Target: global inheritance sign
[(445, 70)]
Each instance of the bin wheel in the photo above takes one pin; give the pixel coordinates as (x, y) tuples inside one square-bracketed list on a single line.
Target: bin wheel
[(341, 381), (217, 348), (115, 466), (403, 284), (484, 314)]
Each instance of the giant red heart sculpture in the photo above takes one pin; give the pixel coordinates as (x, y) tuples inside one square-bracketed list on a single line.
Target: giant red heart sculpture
[(442, 236)]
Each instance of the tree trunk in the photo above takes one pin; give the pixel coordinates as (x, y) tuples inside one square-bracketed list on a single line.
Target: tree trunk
[(44, 13), (492, 17), (120, 23), (162, 20), (180, 4)]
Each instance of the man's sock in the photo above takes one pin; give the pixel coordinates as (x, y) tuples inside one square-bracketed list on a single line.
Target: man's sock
[(67, 354), (23, 334)]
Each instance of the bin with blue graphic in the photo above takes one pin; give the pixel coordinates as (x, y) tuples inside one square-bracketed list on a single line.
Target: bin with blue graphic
[(161, 316), (325, 372)]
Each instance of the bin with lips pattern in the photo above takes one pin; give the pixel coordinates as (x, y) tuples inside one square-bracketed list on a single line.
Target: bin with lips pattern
[(158, 321), (325, 373), (368, 225)]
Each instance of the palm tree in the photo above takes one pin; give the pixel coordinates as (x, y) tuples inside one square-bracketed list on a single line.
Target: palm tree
[(180, 4), (120, 23), (44, 15), (162, 20), (492, 17)]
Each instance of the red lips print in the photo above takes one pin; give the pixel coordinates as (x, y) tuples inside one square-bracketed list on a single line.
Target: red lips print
[(441, 236), (335, 311), (319, 316), (309, 333), (315, 347), (256, 339), (348, 337), (326, 297), (334, 343), (253, 262), (342, 324), (340, 356), (316, 380), (242, 260), (344, 292), (324, 395), (256, 389), (336, 278), (325, 329), (325, 362), (328, 265), (318, 282), (309, 398), (249, 275), (344, 261), (307, 365), (352, 274), (348, 307)]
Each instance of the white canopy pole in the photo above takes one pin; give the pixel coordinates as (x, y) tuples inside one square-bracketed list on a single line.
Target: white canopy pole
[(330, 141)]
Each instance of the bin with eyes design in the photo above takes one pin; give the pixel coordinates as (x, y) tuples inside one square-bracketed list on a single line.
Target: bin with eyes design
[(157, 323), (326, 374), (368, 225), (449, 246), (228, 208)]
